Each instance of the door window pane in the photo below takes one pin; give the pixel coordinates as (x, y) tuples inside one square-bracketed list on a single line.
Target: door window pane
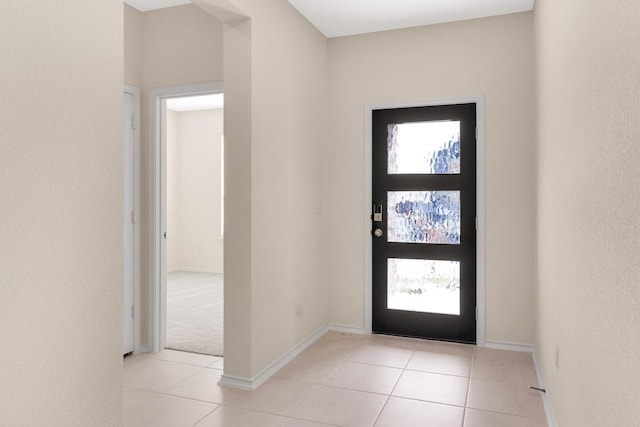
[(424, 148), (423, 285), (423, 217)]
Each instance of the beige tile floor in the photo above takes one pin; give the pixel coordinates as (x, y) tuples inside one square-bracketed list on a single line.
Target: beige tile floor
[(341, 380)]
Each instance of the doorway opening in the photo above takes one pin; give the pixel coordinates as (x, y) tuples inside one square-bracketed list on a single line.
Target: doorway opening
[(186, 298), (194, 195)]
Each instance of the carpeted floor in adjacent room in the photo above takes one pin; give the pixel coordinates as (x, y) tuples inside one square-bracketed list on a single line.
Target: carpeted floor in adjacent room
[(195, 312)]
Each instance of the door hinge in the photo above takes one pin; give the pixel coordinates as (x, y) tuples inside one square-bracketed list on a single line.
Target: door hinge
[(476, 223), (133, 311), (476, 313), (133, 217), (476, 133), (133, 122)]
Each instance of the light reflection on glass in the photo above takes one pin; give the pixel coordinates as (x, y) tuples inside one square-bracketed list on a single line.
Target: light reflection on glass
[(425, 286), (423, 217), (424, 148)]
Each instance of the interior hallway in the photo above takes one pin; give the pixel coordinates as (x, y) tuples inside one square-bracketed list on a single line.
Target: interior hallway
[(342, 380)]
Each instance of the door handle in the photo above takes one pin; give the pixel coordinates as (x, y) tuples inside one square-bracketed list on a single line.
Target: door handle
[(378, 232)]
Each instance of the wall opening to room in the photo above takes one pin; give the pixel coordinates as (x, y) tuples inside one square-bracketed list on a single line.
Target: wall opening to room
[(194, 195)]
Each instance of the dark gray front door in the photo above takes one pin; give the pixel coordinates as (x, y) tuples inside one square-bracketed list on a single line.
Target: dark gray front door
[(424, 222)]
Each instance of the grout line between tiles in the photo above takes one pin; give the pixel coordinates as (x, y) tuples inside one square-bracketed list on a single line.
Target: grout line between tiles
[(318, 386), (200, 420), (466, 400), (160, 393), (375, 420), (428, 401), (324, 382), (182, 380)]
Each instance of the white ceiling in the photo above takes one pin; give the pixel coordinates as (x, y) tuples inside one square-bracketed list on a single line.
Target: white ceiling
[(336, 18), (146, 5), (198, 102)]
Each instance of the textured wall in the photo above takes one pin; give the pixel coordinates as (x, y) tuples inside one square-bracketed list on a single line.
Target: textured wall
[(180, 45), (283, 156), (491, 57), (61, 136), (588, 204), (132, 46)]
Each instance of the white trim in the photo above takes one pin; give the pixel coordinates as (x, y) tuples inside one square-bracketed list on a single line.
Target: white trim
[(157, 208), (500, 345), (195, 270), (347, 329), (480, 204), (368, 203), (528, 348), (269, 371), (546, 399), (142, 349), (138, 347)]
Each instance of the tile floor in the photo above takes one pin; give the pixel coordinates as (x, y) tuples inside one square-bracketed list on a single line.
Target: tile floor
[(341, 380)]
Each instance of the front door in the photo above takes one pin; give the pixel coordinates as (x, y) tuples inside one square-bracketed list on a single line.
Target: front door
[(424, 222)]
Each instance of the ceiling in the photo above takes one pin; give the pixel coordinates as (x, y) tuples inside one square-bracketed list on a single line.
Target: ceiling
[(146, 5), (197, 102), (336, 18)]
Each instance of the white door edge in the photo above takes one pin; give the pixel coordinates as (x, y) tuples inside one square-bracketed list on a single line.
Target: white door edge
[(157, 290), (480, 204), (135, 92)]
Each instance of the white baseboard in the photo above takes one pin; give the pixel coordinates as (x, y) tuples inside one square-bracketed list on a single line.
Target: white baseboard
[(196, 270), (265, 374), (527, 348), (500, 345), (346, 329), (546, 399)]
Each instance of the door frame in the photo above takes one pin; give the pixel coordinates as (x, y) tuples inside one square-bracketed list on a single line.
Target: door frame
[(157, 215), (135, 92), (480, 204)]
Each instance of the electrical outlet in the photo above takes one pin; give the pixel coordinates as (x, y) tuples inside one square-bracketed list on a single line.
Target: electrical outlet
[(557, 357)]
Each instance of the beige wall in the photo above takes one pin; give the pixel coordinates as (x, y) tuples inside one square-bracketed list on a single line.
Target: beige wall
[(173, 184), (237, 198), (194, 191), (61, 209), (180, 45), (491, 57), (171, 47), (588, 227), (276, 85), (132, 46)]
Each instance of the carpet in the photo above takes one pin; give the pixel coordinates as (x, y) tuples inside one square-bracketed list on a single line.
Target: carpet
[(195, 312)]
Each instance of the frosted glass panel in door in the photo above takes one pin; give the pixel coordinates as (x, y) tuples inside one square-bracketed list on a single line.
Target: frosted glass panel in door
[(423, 217), (423, 285), (424, 148)]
